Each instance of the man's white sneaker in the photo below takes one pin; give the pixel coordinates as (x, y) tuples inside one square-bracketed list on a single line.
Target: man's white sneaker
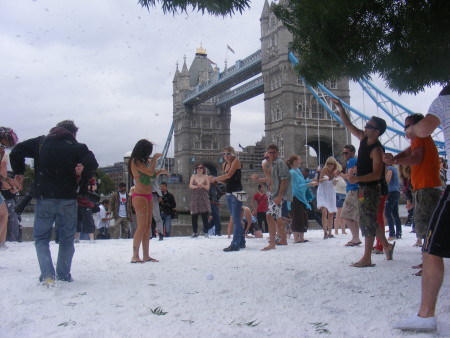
[(416, 323)]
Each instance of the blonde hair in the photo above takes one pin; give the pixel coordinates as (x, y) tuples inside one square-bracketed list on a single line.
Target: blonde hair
[(336, 164), (230, 149)]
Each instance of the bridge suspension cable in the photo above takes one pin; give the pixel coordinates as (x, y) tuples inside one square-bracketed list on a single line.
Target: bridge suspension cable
[(390, 136)]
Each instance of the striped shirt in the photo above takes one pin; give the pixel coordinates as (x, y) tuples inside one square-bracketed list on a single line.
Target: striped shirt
[(441, 109)]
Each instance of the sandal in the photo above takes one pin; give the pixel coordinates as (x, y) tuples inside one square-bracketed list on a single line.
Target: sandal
[(418, 274), (362, 265), (150, 259)]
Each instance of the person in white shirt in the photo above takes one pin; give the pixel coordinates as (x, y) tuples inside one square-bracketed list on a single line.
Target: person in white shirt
[(103, 219)]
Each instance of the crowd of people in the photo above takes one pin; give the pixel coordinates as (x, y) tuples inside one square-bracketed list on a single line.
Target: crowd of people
[(358, 195)]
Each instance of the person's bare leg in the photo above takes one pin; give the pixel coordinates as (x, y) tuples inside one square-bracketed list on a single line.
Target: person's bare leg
[(91, 236), (384, 242), (272, 229), (282, 231), (301, 236), (141, 207), (330, 223), (354, 229), (432, 277), (324, 221), (146, 234), (367, 257)]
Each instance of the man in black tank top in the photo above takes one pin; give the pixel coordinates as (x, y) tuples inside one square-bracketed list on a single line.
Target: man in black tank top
[(369, 171)]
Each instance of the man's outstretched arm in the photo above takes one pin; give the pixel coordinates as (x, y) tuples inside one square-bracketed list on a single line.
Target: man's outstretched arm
[(346, 120)]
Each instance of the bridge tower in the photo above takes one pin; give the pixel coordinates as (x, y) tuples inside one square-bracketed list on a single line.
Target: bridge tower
[(294, 119), (200, 131)]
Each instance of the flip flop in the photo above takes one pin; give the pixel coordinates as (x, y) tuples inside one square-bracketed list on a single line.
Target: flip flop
[(151, 260), (362, 265), (134, 262), (390, 253), (418, 274), (304, 241), (417, 266), (352, 244)]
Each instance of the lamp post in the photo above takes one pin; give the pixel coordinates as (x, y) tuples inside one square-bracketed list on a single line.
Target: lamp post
[(126, 159)]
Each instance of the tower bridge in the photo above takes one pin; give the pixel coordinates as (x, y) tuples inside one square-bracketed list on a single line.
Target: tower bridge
[(294, 119)]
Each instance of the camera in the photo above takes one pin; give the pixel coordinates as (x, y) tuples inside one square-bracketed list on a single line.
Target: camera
[(23, 203)]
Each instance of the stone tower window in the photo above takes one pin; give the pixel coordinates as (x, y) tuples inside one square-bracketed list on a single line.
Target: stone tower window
[(301, 110), (206, 122), (197, 144), (277, 113), (279, 142)]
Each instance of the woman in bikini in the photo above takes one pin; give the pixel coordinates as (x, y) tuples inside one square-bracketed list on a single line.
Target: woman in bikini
[(142, 169), (199, 184)]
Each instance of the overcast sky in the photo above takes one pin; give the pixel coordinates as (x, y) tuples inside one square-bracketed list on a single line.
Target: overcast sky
[(109, 66)]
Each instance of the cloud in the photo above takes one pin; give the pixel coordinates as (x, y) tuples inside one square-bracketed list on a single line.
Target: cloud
[(109, 66)]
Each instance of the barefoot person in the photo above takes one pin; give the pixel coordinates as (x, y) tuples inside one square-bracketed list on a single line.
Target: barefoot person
[(299, 203), (437, 241), (281, 191), (349, 214), (142, 169), (368, 174), (199, 184), (326, 194)]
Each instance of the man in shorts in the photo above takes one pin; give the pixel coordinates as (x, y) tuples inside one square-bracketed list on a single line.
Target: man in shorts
[(280, 191), (349, 213), (437, 240), (368, 175), (423, 157)]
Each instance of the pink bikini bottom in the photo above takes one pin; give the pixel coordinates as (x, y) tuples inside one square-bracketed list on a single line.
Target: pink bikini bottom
[(147, 196)]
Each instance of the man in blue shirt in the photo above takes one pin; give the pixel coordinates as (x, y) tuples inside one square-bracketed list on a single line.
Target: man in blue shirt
[(349, 213)]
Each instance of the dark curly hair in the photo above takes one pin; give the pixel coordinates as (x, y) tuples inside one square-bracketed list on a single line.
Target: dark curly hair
[(140, 154)]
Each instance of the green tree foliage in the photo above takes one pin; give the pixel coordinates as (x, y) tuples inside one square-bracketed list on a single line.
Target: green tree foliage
[(107, 185), (214, 7), (406, 42)]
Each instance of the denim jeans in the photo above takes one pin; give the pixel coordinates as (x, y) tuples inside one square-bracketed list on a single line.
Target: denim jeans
[(47, 210), (235, 206), (167, 221), (215, 221), (391, 213)]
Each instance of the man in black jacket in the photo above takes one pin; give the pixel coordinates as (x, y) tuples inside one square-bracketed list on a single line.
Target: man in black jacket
[(166, 205), (56, 157)]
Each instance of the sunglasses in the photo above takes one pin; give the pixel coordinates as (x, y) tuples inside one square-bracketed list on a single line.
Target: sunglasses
[(2, 146), (407, 126), (227, 154), (200, 168), (345, 153), (369, 126)]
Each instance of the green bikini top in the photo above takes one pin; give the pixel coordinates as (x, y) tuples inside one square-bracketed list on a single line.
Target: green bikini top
[(146, 179)]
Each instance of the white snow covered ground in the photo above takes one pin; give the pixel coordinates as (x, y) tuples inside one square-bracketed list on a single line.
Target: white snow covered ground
[(299, 290)]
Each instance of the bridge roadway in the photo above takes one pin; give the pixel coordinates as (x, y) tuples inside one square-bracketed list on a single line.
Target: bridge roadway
[(238, 73)]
